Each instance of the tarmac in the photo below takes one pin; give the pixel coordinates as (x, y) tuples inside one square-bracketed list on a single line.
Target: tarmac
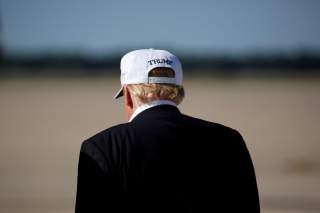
[(43, 121)]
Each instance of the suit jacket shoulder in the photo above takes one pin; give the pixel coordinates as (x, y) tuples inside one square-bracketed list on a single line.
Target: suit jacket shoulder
[(105, 146), (216, 128)]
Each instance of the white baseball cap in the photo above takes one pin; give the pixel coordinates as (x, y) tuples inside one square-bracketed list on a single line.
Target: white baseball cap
[(136, 65)]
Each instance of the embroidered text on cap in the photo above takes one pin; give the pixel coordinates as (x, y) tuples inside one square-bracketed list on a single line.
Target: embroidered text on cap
[(160, 61)]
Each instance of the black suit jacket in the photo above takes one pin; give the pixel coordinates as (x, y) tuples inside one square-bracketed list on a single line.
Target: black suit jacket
[(165, 161)]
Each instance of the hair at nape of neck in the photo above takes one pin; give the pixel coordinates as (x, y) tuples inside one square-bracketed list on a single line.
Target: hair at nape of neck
[(144, 93)]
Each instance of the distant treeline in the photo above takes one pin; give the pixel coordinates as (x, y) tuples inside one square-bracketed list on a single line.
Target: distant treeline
[(258, 62)]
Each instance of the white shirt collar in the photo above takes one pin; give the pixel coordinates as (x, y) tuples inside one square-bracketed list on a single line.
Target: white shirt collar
[(145, 106)]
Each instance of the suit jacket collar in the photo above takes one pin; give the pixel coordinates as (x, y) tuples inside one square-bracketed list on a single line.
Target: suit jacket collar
[(156, 111), (145, 106)]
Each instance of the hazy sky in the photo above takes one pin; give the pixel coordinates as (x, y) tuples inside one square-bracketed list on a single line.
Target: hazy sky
[(204, 25)]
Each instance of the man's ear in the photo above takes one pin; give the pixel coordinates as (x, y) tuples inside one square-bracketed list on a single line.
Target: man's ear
[(128, 98)]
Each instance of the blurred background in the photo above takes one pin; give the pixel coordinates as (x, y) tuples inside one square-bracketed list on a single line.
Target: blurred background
[(250, 65)]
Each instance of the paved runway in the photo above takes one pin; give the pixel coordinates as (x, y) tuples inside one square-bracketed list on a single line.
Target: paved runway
[(44, 120)]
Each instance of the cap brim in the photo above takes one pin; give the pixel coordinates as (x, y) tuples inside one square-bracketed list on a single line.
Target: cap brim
[(119, 93)]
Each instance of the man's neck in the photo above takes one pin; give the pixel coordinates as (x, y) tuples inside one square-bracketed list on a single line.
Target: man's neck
[(148, 105)]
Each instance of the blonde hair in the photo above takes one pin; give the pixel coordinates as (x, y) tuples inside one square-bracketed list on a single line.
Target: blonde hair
[(144, 93)]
